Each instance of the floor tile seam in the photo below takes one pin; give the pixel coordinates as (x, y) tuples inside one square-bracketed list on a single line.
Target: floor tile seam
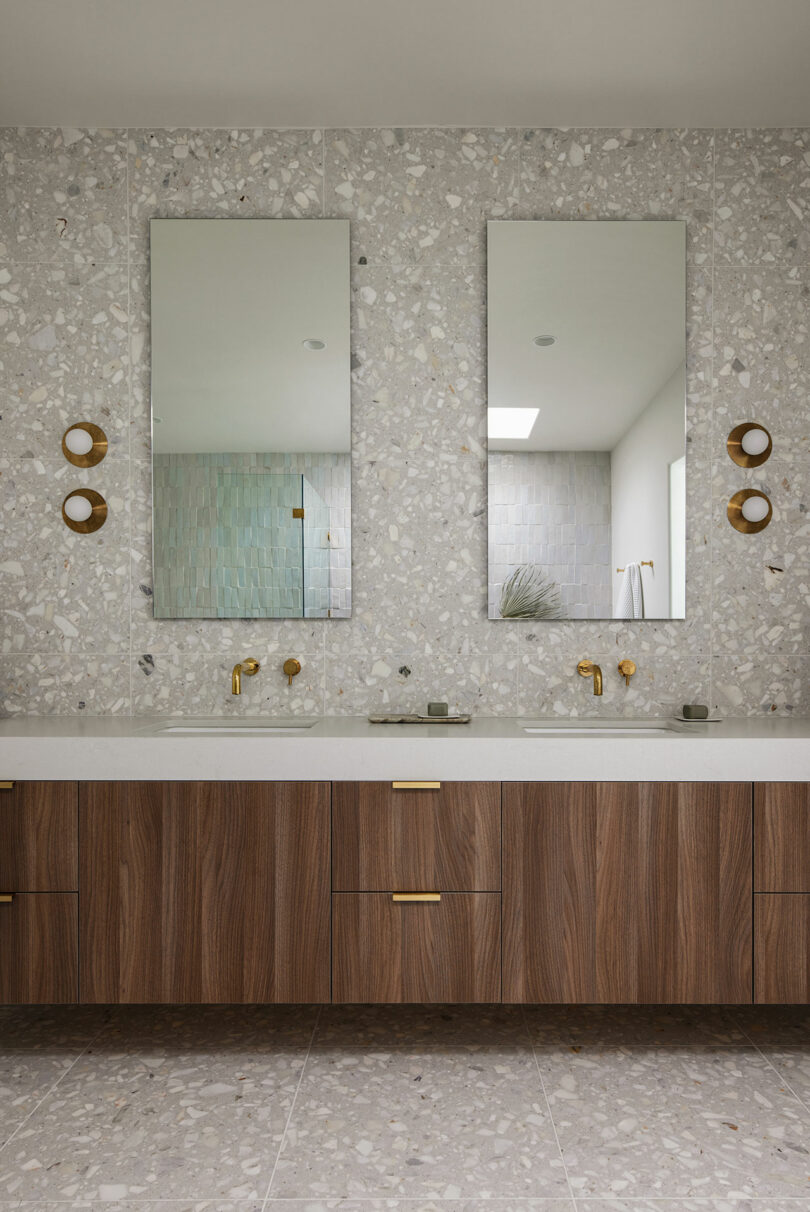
[(780, 1075), (52, 1088), (292, 1108), (550, 1116)]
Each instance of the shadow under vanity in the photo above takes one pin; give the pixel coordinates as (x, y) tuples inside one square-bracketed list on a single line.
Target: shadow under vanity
[(657, 892)]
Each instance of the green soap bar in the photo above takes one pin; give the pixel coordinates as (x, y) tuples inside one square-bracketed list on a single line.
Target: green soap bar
[(695, 711), (437, 709)]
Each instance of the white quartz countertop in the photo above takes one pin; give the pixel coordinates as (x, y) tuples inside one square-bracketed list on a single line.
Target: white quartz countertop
[(349, 748)]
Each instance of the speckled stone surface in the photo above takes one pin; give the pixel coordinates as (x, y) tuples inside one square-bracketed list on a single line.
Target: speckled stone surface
[(75, 614), (404, 1108)]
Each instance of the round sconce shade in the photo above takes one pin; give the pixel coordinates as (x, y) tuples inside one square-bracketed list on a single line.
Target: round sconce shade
[(749, 511), (84, 510), (749, 445), (84, 444)]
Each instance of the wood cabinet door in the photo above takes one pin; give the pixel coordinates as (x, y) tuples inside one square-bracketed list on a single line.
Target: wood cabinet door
[(205, 892), (39, 952), (39, 837), (389, 836), (442, 951), (627, 892), (782, 949), (782, 837)]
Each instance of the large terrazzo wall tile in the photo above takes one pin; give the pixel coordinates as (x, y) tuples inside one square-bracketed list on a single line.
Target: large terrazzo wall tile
[(74, 218)]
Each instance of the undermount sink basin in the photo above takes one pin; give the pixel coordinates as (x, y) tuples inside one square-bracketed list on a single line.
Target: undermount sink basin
[(242, 727), (597, 728)]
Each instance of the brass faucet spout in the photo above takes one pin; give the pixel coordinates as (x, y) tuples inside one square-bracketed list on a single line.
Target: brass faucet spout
[(248, 667), (587, 669)]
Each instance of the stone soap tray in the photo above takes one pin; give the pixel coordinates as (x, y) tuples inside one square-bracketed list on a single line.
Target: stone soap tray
[(709, 719), (419, 719)]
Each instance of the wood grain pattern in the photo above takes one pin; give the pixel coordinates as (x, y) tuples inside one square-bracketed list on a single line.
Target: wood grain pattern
[(448, 951), (39, 824), (782, 948), (443, 840), (205, 892), (782, 837), (39, 949), (627, 892)]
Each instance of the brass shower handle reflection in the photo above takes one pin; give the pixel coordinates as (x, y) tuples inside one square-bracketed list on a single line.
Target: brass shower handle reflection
[(292, 668)]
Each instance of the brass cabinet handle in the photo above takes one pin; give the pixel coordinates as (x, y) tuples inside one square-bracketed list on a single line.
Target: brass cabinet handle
[(6, 786), (6, 898), (401, 897), (416, 786)]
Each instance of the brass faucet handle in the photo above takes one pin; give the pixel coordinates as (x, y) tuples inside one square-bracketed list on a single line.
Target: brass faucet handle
[(627, 669), (292, 668), (250, 666), (585, 669)]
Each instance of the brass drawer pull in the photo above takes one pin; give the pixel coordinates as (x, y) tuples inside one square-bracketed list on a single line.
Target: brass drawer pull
[(6, 786), (401, 897), (6, 898), (416, 786)]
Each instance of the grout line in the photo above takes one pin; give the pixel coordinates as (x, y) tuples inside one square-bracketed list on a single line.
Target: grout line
[(51, 1089), (548, 1108), (771, 1065), (292, 1106), (129, 422)]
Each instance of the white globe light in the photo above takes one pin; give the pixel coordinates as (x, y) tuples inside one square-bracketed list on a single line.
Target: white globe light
[(78, 441), (755, 442), (754, 509), (78, 509)]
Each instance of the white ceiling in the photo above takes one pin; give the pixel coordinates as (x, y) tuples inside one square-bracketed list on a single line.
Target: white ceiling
[(404, 62), (613, 294), (232, 302)]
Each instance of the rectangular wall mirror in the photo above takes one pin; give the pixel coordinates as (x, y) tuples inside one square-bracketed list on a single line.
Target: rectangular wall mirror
[(586, 419), (251, 425)]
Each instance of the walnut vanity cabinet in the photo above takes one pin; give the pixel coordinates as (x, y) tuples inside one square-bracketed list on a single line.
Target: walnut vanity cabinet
[(38, 892), (205, 892), (782, 892), (627, 892), (416, 905)]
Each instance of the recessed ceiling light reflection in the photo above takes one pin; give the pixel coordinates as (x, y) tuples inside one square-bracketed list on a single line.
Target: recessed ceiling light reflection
[(313, 343), (544, 340), (513, 423)]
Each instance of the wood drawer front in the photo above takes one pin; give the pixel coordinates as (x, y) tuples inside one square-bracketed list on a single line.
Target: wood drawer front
[(782, 837), (627, 892), (445, 951), (205, 892), (39, 954), (39, 830), (447, 838), (782, 948)]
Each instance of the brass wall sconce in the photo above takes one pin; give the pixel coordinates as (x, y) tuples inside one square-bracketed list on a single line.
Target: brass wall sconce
[(84, 444), (749, 511), (749, 445), (84, 510)]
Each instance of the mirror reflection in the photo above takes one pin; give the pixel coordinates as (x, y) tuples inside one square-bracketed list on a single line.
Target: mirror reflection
[(586, 419), (251, 418)]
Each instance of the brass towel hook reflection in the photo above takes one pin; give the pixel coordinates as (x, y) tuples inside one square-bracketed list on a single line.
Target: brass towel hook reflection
[(642, 564)]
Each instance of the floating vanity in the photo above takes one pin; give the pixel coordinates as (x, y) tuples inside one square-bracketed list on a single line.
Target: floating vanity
[(335, 860)]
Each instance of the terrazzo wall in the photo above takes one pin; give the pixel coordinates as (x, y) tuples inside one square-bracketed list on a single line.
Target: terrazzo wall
[(77, 626)]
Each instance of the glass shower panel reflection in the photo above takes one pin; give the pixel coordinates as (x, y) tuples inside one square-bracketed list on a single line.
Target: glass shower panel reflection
[(317, 555)]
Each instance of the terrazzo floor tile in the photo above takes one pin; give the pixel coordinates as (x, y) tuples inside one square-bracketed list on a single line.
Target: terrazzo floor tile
[(163, 1125), (387, 1026), (676, 1122), (793, 1066), (775, 1024), (37, 1047), (634, 1025), (690, 1205), (423, 1205), (420, 1122), (213, 1028)]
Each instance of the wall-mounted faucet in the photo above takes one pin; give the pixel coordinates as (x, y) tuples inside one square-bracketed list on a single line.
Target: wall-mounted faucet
[(587, 669), (248, 667)]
